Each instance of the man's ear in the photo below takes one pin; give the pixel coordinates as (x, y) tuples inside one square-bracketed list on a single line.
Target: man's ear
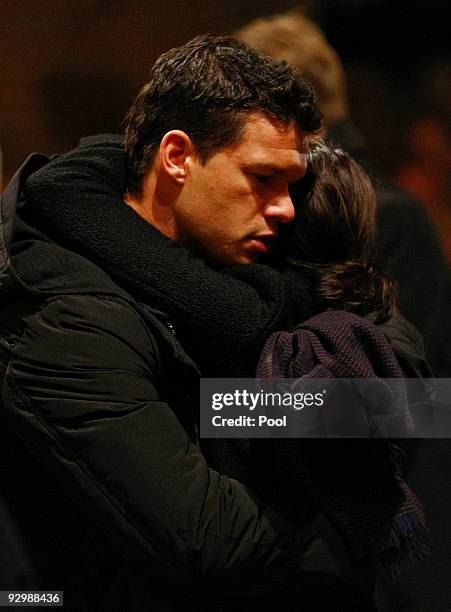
[(175, 149)]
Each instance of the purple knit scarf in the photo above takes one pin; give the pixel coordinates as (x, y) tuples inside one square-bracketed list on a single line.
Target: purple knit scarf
[(357, 483)]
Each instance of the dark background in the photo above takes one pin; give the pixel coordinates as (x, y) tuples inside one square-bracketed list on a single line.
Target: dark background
[(71, 67)]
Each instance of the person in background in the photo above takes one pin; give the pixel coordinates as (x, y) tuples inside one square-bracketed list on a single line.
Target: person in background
[(426, 171)]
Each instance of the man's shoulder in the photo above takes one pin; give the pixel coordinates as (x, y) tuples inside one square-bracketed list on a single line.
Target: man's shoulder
[(108, 312), (91, 330)]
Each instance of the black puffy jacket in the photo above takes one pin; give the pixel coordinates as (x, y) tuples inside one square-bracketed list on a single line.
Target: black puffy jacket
[(104, 492)]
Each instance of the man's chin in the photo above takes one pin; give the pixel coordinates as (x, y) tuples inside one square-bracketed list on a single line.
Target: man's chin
[(229, 258), (253, 257), (247, 257)]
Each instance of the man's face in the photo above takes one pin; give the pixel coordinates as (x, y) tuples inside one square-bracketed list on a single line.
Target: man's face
[(229, 209)]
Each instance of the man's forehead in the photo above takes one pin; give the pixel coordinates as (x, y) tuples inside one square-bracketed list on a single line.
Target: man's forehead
[(261, 131), (273, 146), (271, 130)]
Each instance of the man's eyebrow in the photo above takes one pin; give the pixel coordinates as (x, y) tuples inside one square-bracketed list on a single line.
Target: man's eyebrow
[(264, 167), (270, 168)]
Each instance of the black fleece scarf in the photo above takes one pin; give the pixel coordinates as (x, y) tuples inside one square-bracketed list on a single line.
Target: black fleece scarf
[(223, 317), (358, 484)]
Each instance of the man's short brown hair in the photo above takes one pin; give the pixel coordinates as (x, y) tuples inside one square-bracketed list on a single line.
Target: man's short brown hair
[(205, 88)]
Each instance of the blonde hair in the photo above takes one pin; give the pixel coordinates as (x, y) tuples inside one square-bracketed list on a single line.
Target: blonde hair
[(293, 37)]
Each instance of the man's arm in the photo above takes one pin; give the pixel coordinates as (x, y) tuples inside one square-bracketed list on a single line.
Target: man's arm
[(81, 393)]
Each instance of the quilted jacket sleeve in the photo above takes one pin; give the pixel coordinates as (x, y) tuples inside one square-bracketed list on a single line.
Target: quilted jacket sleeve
[(81, 393)]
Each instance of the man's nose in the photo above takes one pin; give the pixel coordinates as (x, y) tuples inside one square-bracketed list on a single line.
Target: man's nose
[(281, 209)]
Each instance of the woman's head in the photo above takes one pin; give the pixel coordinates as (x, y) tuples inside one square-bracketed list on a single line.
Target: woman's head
[(333, 235), (335, 210)]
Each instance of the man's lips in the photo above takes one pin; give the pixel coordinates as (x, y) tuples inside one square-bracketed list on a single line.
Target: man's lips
[(262, 242)]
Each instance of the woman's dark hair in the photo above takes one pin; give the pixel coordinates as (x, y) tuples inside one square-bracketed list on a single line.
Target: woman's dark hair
[(333, 236), (206, 88)]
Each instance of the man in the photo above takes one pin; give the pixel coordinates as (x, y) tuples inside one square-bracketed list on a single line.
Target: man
[(105, 492)]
